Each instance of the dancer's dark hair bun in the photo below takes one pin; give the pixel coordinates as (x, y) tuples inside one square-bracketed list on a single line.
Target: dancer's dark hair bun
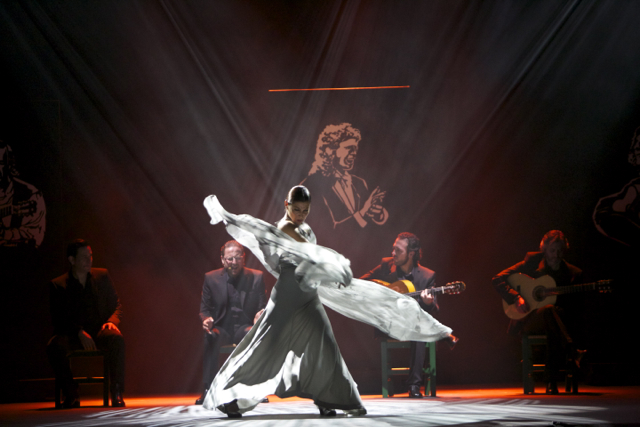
[(299, 193)]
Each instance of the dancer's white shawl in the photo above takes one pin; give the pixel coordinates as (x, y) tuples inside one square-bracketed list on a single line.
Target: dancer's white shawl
[(319, 267)]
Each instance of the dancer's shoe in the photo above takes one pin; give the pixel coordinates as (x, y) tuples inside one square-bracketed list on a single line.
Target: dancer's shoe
[(232, 410), (358, 412), (326, 412)]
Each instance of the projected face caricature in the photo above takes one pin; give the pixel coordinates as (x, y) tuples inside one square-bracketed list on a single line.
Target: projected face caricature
[(346, 197), (617, 216), (22, 209), (345, 154)]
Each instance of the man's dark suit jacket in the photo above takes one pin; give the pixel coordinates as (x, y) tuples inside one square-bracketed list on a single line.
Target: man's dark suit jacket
[(65, 317), (215, 294), (423, 278)]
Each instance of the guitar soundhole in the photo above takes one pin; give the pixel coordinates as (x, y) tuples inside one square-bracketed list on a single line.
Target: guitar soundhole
[(538, 293)]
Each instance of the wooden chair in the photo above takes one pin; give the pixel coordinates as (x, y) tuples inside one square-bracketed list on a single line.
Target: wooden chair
[(387, 370), (104, 380), (529, 367)]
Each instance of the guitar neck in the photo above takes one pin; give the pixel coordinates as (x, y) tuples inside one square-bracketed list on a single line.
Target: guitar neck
[(572, 289), (432, 291)]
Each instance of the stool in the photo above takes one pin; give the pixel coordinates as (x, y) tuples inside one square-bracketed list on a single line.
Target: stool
[(88, 379), (529, 367), (388, 370)]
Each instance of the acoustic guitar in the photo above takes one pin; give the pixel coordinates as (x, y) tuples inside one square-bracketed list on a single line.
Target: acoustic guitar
[(543, 291), (407, 288)]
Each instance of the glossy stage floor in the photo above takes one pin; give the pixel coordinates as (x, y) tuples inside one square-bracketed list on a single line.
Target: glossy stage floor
[(477, 406)]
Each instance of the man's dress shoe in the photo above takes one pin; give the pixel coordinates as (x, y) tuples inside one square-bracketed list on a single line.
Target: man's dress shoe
[(414, 392), (116, 397), (200, 400), (71, 397), (71, 402)]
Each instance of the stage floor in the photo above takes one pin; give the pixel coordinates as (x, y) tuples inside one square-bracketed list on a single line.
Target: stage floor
[(477, 406)]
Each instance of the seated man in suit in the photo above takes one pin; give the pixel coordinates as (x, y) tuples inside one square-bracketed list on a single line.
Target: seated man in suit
[(86, 312), (405, 265), (549, 320), (233, 298)]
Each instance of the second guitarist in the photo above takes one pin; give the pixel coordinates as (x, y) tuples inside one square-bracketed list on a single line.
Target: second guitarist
[(555, 321), (405, 265)]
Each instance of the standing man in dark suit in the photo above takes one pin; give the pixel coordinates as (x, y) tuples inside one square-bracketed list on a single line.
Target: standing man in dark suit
[(86, 312), (405, 265), (233, 298)]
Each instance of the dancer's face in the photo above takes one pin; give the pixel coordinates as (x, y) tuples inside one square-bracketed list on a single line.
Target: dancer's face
[(297, 211), (233, 260)]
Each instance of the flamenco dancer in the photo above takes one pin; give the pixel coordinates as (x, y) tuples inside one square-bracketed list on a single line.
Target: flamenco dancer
[(291, 350)]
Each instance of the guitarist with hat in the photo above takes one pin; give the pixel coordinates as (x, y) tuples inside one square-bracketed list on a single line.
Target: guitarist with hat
[(550, 319)]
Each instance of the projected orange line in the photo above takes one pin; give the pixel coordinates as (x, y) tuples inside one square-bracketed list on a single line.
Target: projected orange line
[(338, 88)]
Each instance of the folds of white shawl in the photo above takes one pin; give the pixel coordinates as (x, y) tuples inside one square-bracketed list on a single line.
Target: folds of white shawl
[(318, 267)]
